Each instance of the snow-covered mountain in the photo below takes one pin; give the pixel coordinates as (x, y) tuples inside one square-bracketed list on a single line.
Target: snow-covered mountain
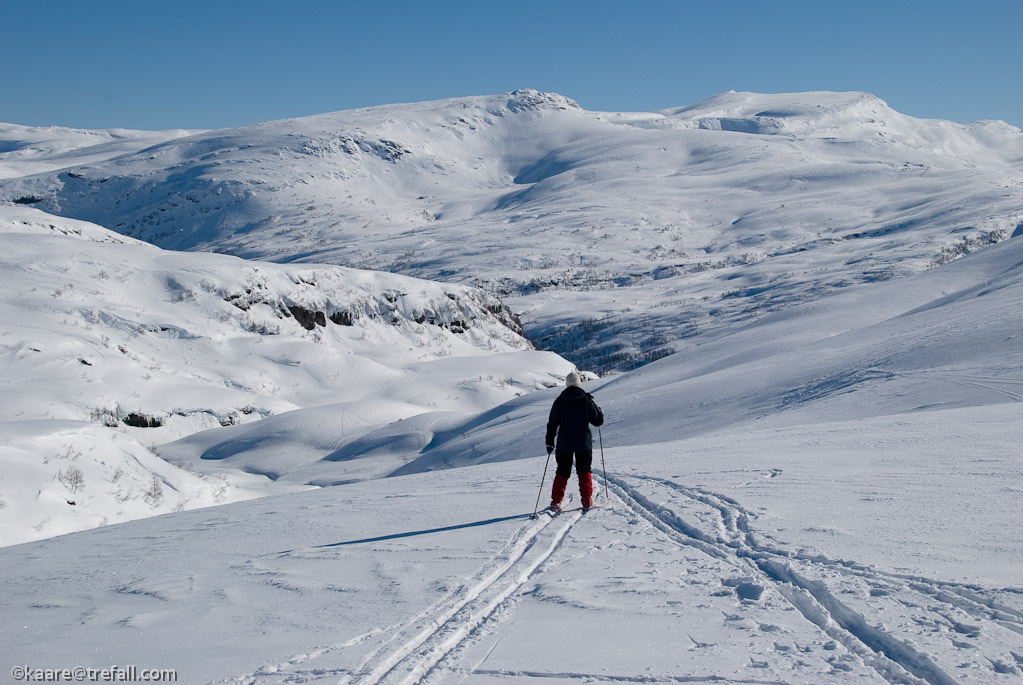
[(28, 150), (817, 479), (112, 347), (697, 217)]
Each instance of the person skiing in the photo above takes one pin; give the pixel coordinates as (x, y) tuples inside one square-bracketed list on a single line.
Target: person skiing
[(573, 412)]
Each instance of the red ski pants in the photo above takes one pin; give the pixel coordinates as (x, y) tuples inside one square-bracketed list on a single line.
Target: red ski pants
[(583, 463)]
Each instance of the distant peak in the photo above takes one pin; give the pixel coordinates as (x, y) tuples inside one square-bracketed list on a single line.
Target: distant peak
[(810, 113), (527, 99), (745, 104)]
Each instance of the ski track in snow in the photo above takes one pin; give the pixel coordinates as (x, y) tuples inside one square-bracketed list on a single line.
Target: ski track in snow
[(425, 648), (598, 678), (893, 659), (417, 646), (480, 603)]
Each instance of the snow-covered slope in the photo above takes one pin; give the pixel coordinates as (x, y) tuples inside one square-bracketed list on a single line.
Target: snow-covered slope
[(111, 347), (820, 485), (620, 236), (827, 495), (874, 551), (34, 150), (684, 221), (946, 338)]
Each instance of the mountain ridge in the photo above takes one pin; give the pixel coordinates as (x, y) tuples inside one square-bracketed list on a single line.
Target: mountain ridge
[(528, 195)]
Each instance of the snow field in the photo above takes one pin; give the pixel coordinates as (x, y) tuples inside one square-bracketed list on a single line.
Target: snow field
[(710, 561), (62, 476)]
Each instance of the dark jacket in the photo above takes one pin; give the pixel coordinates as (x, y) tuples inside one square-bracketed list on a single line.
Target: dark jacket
[(571, 415)]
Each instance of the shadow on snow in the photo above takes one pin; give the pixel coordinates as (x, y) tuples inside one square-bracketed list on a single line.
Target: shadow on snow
[(397, 536)]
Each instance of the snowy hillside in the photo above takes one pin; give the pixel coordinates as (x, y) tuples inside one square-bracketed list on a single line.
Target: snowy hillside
[(34, 150), (696, 217), (828, 495), (815, 479), (943, 339), (112, 347)]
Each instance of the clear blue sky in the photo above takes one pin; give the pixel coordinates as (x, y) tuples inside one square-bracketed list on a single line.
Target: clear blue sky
[(155, 64)]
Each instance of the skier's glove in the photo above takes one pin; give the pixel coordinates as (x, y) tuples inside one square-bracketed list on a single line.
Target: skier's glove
[(550, 448)]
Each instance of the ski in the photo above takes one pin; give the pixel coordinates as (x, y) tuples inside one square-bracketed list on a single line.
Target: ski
[(550, 511)]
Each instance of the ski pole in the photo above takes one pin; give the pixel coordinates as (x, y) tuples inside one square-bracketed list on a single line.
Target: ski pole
[(537, 507), (607, 495)]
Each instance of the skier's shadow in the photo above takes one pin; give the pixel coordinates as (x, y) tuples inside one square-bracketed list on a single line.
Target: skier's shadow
[(414, 533)]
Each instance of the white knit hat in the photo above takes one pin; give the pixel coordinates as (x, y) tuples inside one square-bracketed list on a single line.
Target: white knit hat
[(573, 379)]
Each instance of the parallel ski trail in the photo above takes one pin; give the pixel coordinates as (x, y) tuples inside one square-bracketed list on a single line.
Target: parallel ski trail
[(399, 641), (420, 648), (426, 640), (735, 544)]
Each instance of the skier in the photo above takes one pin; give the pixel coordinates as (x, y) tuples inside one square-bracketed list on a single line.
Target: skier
[(573, 412)]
